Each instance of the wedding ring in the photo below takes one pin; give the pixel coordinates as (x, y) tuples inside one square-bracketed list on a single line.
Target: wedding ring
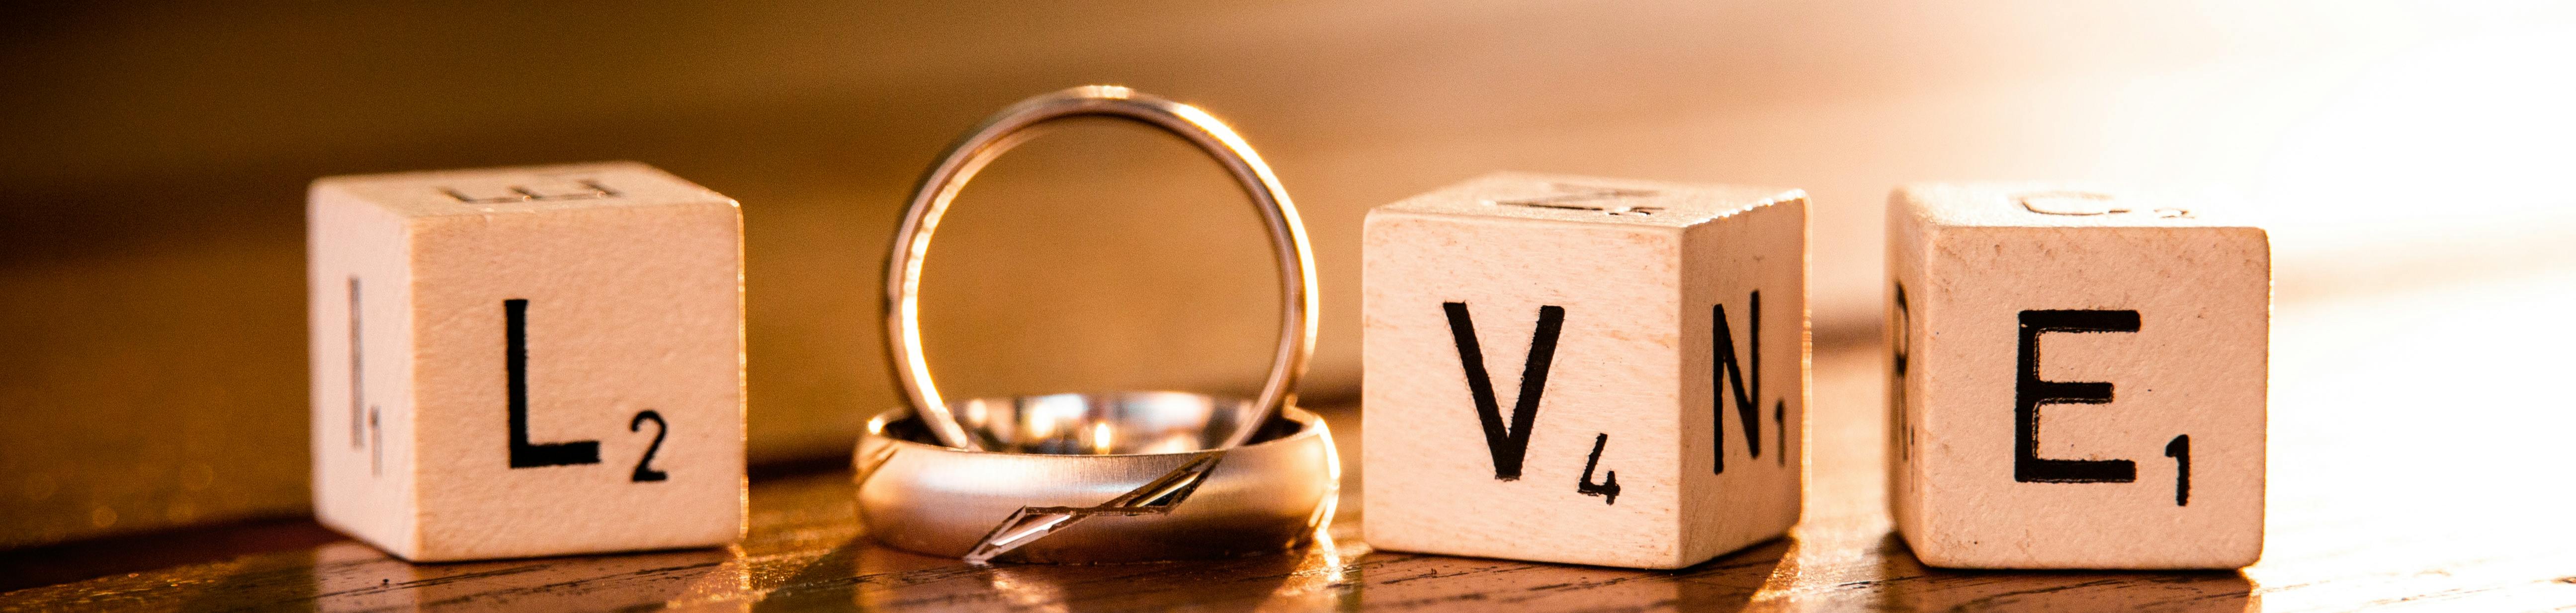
[(1131, 504), (1097, 478), (940, 186)]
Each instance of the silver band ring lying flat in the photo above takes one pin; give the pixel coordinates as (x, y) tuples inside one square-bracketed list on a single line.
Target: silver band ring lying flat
[(1267, 496), (1006, 129)]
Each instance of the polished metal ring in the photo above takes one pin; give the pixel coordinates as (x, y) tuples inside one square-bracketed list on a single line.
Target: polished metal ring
[(1006, 129), (1136, 502)]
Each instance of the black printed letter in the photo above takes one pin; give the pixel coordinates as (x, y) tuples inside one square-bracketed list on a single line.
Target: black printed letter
[(1731, 371), (2030, 392), (522, 453), (1510, 444)]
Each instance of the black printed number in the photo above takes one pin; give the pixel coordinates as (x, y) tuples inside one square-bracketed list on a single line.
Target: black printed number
[(2180, 451), (2031, 392), (528, 454), (644, 468), (1608, 488), (1730, 371)]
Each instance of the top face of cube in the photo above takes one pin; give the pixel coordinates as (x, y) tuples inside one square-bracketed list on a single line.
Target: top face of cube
[(1582, 199), (521, 189), (2045, 205)]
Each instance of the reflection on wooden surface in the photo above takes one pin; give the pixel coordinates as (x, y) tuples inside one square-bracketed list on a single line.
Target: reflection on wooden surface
[(151, 227), (806, 555), (2449, 520)]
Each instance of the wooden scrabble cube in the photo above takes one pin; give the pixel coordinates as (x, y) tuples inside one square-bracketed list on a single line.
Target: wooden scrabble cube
[(2078, 379), (1584, 370), (526, 361)]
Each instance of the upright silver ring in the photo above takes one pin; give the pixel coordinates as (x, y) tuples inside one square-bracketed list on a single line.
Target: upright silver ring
[(1005, 130)]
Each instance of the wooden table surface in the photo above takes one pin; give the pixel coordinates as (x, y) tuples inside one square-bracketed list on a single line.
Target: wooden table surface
[(2416, 464)]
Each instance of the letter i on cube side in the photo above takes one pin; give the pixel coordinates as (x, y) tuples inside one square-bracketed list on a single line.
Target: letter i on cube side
[(1584, 370), (530, 361), (2077, 378)]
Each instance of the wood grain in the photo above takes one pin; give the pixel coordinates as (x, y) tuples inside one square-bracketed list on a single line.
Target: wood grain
[(527, 361), (2338, 541), (2135, 440), (1589, 306), (151, 257)]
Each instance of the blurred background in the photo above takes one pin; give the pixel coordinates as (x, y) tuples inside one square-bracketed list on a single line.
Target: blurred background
[(152, 361)]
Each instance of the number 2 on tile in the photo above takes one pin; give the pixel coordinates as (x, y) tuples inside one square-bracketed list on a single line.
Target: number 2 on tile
[(526, 454), (644, 467)]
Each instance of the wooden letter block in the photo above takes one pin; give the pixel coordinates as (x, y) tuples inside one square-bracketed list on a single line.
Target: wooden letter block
[(526, 361), (2078, 379), (1584, 370)]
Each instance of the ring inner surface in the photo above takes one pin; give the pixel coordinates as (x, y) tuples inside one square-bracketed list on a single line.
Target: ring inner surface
[(1099, 254), (1098, 424)]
